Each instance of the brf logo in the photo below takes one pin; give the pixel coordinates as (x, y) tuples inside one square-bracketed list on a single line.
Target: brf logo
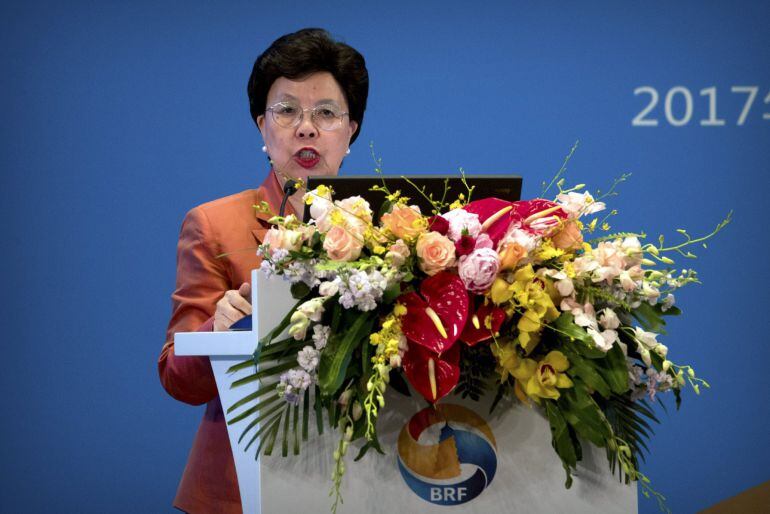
[(459, 467)]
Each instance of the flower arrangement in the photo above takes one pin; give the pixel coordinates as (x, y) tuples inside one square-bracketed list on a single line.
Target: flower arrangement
[(533, 299)]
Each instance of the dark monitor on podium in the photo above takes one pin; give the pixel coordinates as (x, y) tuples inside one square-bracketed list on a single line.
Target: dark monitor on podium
[(505, 187)]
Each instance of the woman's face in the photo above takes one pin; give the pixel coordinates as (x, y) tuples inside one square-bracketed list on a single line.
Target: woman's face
[(306, 150)]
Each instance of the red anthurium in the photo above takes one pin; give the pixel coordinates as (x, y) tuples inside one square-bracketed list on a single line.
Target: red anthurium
[(493, 207), (527, 210), (441, 306), (473, 334), (432, 375), (498, 214)]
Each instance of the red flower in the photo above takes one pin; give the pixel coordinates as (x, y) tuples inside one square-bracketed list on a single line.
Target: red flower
[(442, 302), (464, 246), (518, 212), (432, 375), (438, 224), (472, 335), (433, 322)]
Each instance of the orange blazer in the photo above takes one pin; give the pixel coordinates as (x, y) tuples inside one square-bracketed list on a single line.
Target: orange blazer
[(229, 226)]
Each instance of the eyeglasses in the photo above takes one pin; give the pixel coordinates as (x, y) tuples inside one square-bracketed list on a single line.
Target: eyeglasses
[(289, 114)]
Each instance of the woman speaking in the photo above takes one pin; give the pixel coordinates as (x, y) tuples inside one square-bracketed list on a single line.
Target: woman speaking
[(307, 95)]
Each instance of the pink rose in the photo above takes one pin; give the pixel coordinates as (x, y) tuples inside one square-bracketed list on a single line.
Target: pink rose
[(479, 269), (436, 252), (341, 245), (397, 253), (279, 237)]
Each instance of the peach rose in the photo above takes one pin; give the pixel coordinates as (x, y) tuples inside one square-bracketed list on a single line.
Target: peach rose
[(404, 222), (511, 254), (341, 245), (436, 252), (568, 238)]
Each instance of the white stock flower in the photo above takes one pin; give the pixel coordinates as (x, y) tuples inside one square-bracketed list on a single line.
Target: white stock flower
[(327, 289), (308, 358), (320, 336)]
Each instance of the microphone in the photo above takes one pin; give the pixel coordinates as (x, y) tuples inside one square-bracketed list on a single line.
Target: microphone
[(289, 188)]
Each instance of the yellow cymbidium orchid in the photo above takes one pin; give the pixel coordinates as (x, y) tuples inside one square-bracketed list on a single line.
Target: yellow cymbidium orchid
[(543, 379), (530, 294)]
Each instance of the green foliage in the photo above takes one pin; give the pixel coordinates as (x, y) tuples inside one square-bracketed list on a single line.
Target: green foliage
[(339, 349), (630, 421), (476, 364)]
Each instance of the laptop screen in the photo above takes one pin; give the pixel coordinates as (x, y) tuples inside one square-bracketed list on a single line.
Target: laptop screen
[(505, 187)]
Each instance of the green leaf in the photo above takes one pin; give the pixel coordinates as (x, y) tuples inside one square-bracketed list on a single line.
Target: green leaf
[(587, 372), (650, 317), (336, 316), (391, 293), (615, 370), (248, 412), (585, 416), (299, 290), (273, 434), (266, 429), (319, 413), (294, 429), (560, 438), (385, 208), (263, 373), (253, 396), (305, 414), (257, 420), (285, 437), (566, 329), (371, 444), (336, 356)]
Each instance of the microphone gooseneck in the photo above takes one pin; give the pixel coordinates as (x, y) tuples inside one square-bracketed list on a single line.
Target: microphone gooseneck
[(289, 188)]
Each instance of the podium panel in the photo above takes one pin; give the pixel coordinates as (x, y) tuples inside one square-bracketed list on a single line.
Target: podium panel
[(457, 459)]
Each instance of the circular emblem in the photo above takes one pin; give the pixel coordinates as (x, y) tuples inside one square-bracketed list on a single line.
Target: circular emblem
[(458, 467)]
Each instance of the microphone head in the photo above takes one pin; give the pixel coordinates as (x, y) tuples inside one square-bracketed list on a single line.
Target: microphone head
[(291, 186)]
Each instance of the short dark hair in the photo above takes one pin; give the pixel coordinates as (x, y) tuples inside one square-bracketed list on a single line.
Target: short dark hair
[(307, 51)]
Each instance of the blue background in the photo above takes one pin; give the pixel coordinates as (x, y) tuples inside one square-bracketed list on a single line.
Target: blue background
[(118, 119)]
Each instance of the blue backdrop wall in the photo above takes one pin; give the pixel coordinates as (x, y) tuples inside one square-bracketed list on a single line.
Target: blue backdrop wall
[(116, 119)]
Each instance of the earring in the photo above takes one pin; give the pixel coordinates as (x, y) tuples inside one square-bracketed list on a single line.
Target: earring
[(264, 148), (347, 152)]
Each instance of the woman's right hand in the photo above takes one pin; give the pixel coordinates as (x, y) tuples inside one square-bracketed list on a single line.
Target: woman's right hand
[(233, 306)]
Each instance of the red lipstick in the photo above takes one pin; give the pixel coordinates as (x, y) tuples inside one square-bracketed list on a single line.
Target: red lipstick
[(307, 157)]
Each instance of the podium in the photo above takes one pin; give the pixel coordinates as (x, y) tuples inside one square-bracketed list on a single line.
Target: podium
[(506, 461)]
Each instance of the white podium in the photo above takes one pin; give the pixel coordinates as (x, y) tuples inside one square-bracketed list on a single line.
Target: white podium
[(506, 460)]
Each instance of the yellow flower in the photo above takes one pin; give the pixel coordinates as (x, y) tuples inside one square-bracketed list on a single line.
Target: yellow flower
[(390, 341), (547, 251), (531, 296), (501, 291), (543, 379)]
